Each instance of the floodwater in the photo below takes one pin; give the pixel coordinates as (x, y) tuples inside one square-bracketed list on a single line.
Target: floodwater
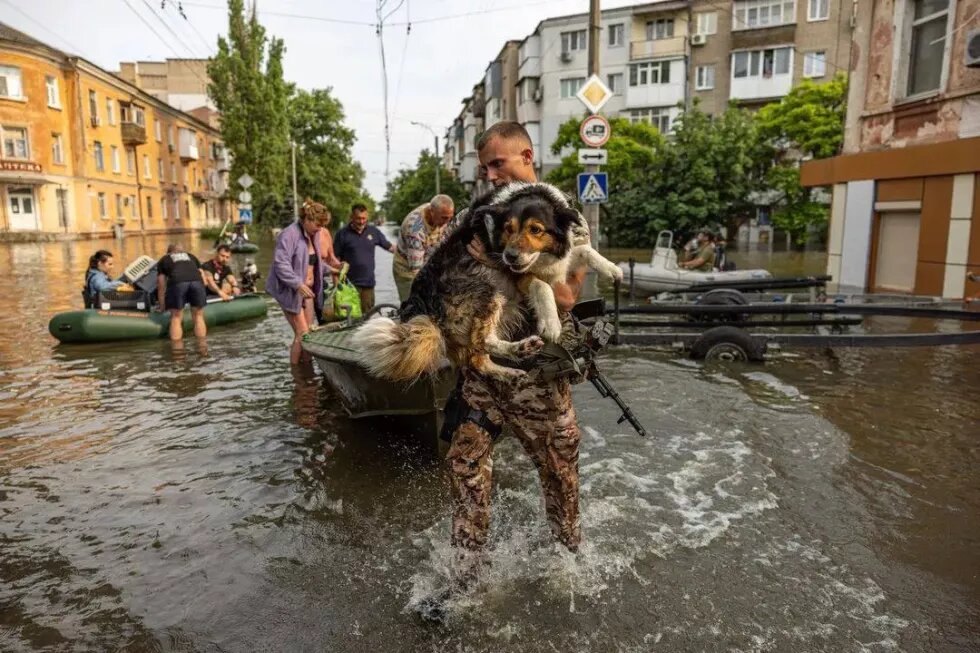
[(154, 499)]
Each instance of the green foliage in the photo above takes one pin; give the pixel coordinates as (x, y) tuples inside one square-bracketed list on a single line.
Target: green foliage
[(325, 168), (807, 123), (248, 88), (412, 187)]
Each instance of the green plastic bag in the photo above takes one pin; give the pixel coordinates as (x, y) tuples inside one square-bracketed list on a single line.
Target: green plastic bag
[(342, 299)]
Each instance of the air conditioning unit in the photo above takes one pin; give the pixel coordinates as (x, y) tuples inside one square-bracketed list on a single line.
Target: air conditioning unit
[(698, 39), (95, 121), (972, 54), (538, 94), (566, 57)]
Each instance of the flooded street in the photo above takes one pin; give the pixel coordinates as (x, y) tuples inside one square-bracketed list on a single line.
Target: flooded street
[(154, 499)]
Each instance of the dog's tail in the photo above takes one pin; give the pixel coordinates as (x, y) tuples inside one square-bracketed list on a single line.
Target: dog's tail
[(401, 351)]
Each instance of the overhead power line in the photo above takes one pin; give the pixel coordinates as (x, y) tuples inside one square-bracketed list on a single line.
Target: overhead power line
[(39, 24), (209, 47)]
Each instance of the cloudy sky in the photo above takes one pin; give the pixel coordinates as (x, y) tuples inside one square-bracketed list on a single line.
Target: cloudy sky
[(328, 43)]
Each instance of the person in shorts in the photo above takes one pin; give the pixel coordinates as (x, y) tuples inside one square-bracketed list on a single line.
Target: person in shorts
[(181, 283)]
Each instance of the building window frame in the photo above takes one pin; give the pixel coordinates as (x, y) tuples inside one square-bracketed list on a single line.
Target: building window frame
[(903, 56), (817, 10), (110, 111), (99, 153), (132, 207), (57, 149), (12, 83), (156, 130), (815, 64), (756, 14), (147, 173), (16, 142), (93, 106), (119, 205), (659, 117), (616, 82), (568, 87), (756, 61), (53, 92), (643, 73), (660, 28), (706, 23), (574, 41), (149, 207), (130, 161), (103, 206), (114, 158), (616, 35), (704, 77)]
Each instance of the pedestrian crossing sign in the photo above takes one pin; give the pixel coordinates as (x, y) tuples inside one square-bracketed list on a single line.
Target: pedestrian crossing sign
[(593, 188)]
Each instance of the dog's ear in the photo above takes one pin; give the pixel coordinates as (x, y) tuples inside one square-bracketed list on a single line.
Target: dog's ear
[(492, 220), (567, 218)]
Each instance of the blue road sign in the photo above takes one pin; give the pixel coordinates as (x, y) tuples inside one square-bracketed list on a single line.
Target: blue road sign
[(245, 216), (593, 187)]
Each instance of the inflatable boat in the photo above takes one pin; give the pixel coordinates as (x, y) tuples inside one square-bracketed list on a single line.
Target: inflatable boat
[(663, 274)]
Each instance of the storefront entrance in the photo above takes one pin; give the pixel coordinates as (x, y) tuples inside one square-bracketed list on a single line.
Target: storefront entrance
[(22, 208)]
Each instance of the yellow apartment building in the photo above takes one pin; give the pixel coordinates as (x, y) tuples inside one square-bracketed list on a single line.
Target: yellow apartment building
[(88, 155)]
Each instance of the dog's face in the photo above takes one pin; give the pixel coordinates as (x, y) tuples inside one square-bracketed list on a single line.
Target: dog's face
[(530, 230)]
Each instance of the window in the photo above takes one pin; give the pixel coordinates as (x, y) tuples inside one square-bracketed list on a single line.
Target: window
[(818, 10), (132, 206), (750, 14), (616, 34), (130, 162), (149, 206), (571, 41), (132, 113), (526, 91), (571, 86), (615, 83), (814, 64), (119, 205), (761, 63), (99, 156), (659, 117), (662, 28), (15, 143), (704, 78), (10, 86), (51, 87), (170, 135), (103, 211), (160, 168), (156, 131), (93, 107), (57, 148), (173, 173), (650, 72), (110, 110), (164, 208), (114, 152), (927, 36), (146, 168), (706, 23)]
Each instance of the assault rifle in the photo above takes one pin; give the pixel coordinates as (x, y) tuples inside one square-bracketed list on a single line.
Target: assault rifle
[(575, 359)]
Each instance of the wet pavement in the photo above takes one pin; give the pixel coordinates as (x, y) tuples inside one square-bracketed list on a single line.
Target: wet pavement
[(159, 499)]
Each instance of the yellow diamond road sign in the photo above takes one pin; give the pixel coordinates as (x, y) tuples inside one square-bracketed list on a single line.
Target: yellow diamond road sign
[(594, 94)]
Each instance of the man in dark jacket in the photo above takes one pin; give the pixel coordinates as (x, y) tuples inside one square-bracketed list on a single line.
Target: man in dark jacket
[(179, 283), (354, 244)]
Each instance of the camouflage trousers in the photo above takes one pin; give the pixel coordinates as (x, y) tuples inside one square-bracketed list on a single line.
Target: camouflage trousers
[(540, 414)]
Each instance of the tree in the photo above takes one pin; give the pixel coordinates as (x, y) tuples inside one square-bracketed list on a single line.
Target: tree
[(806, 124), (249, 91), (412, 187), (325, 168)]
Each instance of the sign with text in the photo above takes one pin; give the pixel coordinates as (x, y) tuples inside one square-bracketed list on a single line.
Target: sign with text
[(19, 166)]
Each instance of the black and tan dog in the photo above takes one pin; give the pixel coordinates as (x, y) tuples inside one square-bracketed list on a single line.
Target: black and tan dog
[(466, 310)]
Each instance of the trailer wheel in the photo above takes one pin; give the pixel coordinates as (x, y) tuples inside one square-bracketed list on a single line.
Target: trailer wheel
[(728, 344), (721, 297)]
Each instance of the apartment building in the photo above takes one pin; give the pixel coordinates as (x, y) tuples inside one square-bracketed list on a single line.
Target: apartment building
[(181, 83), (86, 154), (658, 57), (905, 214)]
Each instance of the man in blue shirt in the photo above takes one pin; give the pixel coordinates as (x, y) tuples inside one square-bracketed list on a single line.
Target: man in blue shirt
[(354, 244)]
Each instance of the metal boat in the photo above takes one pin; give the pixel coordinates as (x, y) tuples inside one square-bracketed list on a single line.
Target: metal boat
[(663, 274)]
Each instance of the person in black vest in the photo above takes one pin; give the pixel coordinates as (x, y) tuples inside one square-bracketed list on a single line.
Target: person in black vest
[(179, 283)]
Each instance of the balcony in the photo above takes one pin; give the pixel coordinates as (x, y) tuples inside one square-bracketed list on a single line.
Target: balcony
[(756, 37), (656, 48), (132, 133), (223, 160), (188, 145)]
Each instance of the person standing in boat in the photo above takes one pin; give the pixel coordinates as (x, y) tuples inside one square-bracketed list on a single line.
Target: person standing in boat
[(355, 245), (704, 260), (420, 234), (97, 277), (180, 282), (295, 279)]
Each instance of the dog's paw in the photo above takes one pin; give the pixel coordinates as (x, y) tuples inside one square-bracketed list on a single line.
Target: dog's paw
[(550, 328), (529, 347), (615, 273)]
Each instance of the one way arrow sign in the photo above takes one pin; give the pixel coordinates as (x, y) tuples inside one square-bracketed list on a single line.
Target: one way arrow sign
[(592, 157)]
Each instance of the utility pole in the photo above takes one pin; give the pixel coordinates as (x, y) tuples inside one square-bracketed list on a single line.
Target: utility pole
[(435, 135), (591, 211), (295, 198)]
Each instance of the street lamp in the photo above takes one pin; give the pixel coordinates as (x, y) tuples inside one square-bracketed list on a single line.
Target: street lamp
[(436, 137)]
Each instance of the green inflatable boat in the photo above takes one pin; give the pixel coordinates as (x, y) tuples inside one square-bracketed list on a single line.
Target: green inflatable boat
[(94, 325), (243, 247)]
